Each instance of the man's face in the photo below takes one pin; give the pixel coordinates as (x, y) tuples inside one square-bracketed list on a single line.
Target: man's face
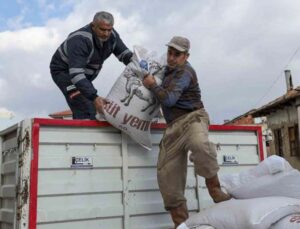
[(176, 58), (102, 29)]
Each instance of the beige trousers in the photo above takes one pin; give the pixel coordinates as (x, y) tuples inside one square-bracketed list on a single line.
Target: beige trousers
[(187, 133)]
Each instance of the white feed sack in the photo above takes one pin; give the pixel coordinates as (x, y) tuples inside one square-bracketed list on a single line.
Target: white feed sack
[(132, 106), (272, 177), (257, 213), (270, 166), (184, 226), (289, 222)]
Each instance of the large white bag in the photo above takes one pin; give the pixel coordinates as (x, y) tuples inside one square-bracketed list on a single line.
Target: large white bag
[(270, 166), (132, 106), (272, 177), (184, 226), (281, 184), (258, 213), (288, 222)]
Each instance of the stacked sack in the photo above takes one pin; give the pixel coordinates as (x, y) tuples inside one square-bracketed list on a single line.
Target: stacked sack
[(267, 196)]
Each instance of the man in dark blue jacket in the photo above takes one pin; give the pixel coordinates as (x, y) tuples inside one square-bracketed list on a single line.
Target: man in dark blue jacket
[(78, 60)]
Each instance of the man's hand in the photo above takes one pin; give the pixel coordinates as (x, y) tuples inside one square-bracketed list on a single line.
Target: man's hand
[(99, 104), (149, 81)]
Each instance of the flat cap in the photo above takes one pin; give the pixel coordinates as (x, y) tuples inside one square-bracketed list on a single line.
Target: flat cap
[(181, 44)]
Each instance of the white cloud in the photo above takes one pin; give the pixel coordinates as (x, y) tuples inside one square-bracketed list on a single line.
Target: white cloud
[(5, 113), (238, 49), (31, 40)]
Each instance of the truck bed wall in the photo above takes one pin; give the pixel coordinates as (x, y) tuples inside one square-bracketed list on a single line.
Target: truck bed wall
[(40, 188)]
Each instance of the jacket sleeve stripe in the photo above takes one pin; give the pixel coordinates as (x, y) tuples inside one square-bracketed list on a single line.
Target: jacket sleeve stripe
[(115, 42), (62, 55), (71, 87), (76, 70), (77, 78), (123, 54), (96, 66), (63, 52), (87, 35), (89, 71), (82, 33)]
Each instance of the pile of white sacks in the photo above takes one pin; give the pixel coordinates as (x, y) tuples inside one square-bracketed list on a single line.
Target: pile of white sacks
[(264, 197)]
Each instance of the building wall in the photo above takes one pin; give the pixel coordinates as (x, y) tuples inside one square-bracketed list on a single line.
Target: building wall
[(283, 116), (283, 119)]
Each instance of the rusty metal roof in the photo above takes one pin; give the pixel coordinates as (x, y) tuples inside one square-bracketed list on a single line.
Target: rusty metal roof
[(276, 104)]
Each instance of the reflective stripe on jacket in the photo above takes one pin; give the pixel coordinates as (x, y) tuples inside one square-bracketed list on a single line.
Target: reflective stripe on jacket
[(82, 56)]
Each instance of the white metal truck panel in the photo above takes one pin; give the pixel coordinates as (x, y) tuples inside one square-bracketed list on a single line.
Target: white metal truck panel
[(8, 178), (70, 174)]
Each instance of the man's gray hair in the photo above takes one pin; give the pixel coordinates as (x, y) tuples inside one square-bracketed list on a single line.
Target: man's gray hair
[(104, 16)]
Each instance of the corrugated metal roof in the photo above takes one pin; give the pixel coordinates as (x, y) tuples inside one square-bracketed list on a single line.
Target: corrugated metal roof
[(271, 106), (284, 100)]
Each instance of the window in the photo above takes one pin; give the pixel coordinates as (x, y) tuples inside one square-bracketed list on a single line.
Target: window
[(278, 142), (294, 141)]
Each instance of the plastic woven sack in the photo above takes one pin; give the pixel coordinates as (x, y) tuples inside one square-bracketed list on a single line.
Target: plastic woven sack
[(289, 222), (257, 213), (272, 177), (132, 106)]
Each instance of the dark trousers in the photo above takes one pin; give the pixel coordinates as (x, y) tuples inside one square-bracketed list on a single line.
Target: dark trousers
[(81, 107)]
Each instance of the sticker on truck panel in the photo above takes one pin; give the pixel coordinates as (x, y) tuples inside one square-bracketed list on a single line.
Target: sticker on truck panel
[(230, 159), (82, 162)]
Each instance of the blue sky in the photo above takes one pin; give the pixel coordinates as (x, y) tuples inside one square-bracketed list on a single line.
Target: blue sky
[(239, 48), (24, 13)]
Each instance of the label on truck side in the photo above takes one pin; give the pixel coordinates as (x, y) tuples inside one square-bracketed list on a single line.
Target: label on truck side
[(82, 162), (230, 159)]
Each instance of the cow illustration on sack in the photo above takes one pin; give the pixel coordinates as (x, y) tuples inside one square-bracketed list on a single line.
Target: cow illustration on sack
[(132, 106), (134, 86)]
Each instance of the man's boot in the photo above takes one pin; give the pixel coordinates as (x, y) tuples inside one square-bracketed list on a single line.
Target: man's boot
[(215, 191), (179, 214)]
